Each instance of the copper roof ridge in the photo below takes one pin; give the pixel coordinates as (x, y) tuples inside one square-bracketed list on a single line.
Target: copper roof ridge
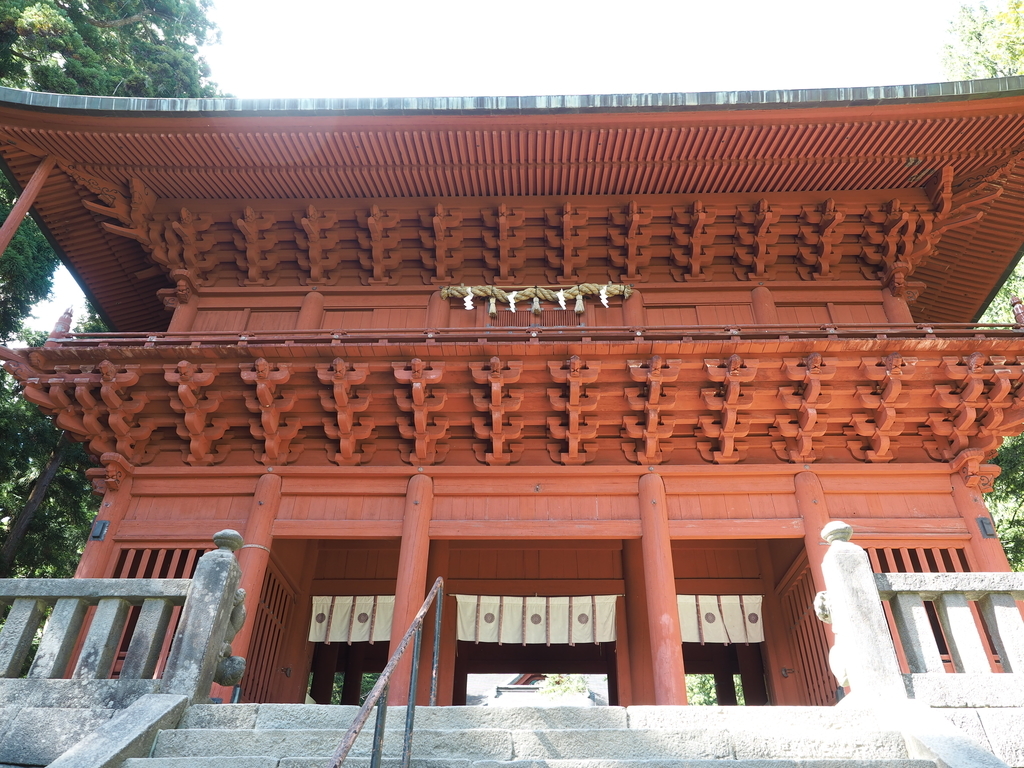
[(594, 103)]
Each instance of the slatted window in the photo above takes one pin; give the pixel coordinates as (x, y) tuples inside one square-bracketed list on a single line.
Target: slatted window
[(151, 563), (524, 318), (929, 560), (807, 637), (274, 610)]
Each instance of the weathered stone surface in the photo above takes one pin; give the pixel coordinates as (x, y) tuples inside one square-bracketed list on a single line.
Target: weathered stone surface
[(91, 590), (970, 583), (287, 716), (672, 763), (238, 716), (765, 718), (1005, 729), (751, 744), (103, 694), (967, 690), (969, 724), (209, 762), (364, 762), (129, 733), (614, 744), (477, 744), (39, 735)]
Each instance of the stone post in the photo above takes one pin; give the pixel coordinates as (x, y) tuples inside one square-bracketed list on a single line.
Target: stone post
[(660, 584), (862, 656), (208, 621)]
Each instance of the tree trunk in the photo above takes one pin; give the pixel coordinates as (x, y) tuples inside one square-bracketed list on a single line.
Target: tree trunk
[(20, 524)]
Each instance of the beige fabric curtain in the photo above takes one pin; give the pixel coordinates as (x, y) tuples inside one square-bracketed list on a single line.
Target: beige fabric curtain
[(351, 619), (536, 620), (720, 618)]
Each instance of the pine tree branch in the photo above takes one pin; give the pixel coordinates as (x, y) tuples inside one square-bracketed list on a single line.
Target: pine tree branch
[(118, 23)]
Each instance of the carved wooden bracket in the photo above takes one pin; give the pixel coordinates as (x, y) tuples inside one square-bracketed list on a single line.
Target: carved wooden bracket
[(729, 398), (197, 407), (882, 425), (381, 260), (421, 400), (505, 239), (277, 437), (498, 402), (629, 240), (647, 443), (821, 235), (258, 243), (755, 243), (317, 239), (115, 470), (575, 400), (569, 242), (346, 402), (807, 398), (696, 235), (443, 240)]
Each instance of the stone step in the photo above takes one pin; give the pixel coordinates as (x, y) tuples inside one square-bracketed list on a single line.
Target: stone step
[(364, 762), (302, 717), (547, 744)]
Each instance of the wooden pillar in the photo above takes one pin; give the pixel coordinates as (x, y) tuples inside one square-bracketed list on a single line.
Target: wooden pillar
[(810, 503), (96, 562), (25, 201), (439, 311), (184, 316), (638, 637), (660, 583), (411, 585), (437, 565), (254, 555), (325, 665), (895, 307), (623, 674), (355, 662), (633, 313), (311, 313), (970, 503), (762, 306)]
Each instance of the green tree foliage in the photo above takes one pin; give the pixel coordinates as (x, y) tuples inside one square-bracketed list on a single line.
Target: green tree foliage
[(988, 41), (141, 48)]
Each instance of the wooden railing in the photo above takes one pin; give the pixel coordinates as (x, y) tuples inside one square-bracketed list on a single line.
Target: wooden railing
[(546, 333)]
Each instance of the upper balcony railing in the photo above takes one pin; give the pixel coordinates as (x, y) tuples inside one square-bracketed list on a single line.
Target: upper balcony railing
[(685, 333)]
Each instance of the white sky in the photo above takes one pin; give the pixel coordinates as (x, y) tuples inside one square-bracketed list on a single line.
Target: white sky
[(475, 47)]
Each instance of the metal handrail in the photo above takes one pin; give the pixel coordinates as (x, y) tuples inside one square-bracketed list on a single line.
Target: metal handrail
[(378, 694)]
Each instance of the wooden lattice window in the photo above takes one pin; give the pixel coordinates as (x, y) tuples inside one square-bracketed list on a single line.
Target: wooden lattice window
[(918, 560), (523, 318)]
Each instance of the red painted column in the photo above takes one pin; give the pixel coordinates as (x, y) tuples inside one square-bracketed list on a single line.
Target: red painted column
[(438, 311), (311, 313), (660, 584), (810, 503), (762, 306), (96, 559), (411, 585), (638, 641), (25, 201), (254, 556), (895, 308), (970, 503), (633, 313)]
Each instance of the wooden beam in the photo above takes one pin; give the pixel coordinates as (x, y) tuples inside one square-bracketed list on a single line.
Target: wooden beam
[(25, 201), (534, 529)]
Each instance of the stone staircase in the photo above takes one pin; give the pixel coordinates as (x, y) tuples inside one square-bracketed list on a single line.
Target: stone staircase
[(298, 736)]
